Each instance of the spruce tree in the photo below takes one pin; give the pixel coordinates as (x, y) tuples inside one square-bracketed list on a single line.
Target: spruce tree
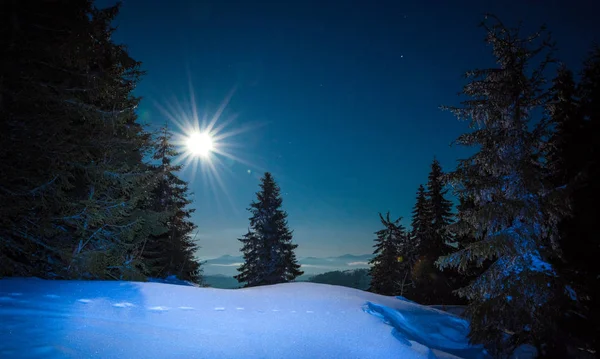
[(572, 163), (433, 286), (72, 172), (515, 210), (565, 150), (388, 269), (172, 252), (421, 219), (583, 243), (463, 235), (420, 238), (440, 210), (267, 248)]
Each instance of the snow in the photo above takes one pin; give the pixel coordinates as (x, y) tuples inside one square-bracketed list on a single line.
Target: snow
[(109, 319)]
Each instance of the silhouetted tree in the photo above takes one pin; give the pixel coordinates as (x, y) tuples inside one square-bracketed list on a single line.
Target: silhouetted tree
[(515, 211), (582, 245), (573, 164), (268, 250), (72, 175), (421, 220), (388, 268), (172, 252), (432, 286), (440, 210)]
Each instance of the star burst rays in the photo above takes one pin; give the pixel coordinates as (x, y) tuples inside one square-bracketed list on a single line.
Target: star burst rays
[(205, 143)]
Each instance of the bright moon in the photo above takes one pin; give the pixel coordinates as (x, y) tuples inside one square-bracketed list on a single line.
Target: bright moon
[(200, 144)]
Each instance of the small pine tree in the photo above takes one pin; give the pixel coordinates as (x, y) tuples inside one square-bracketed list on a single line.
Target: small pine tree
[(515, 212), (173, 251), (267, 248), (388, 267), (421, 219)]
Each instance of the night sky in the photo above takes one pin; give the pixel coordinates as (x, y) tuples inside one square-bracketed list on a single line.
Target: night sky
[(338, 99)]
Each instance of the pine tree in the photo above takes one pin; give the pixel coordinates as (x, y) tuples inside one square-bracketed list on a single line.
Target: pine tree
[(421, 219), (440, 212), (389, 270), (583, 243), (464, 234), (564, 157), (572, 163), (267, 248), (433, 286), (420, 238), (172, 252), (72, 172), (515, 211)]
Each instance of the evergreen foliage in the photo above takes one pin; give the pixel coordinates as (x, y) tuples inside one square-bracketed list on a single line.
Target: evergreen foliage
[(440, 210), (581, 246), (172, 252), (433, 286), (573, 164), (515, 210), (389, 270), (267, 248), (421, 220), (71, 171)]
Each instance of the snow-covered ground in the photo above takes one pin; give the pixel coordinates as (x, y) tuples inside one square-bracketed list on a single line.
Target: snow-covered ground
[(95, 319)]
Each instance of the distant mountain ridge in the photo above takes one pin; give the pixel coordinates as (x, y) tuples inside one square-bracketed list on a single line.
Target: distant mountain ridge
[(227, 264)]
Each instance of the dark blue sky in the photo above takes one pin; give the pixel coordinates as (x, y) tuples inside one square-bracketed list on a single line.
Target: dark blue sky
[(338, 99)]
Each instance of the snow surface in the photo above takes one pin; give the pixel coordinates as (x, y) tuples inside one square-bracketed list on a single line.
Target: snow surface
[(108, 319)]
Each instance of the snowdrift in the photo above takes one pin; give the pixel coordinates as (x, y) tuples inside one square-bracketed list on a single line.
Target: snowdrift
[(97, 319)]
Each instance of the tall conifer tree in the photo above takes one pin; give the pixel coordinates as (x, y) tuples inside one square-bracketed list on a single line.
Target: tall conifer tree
[(172, 252), (440, 209), (432, 286), (516, 211), (72, 172), (421, 219), (267, 248), (572, 163)]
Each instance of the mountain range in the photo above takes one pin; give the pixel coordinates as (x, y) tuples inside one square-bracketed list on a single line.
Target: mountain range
[(227, 265)]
